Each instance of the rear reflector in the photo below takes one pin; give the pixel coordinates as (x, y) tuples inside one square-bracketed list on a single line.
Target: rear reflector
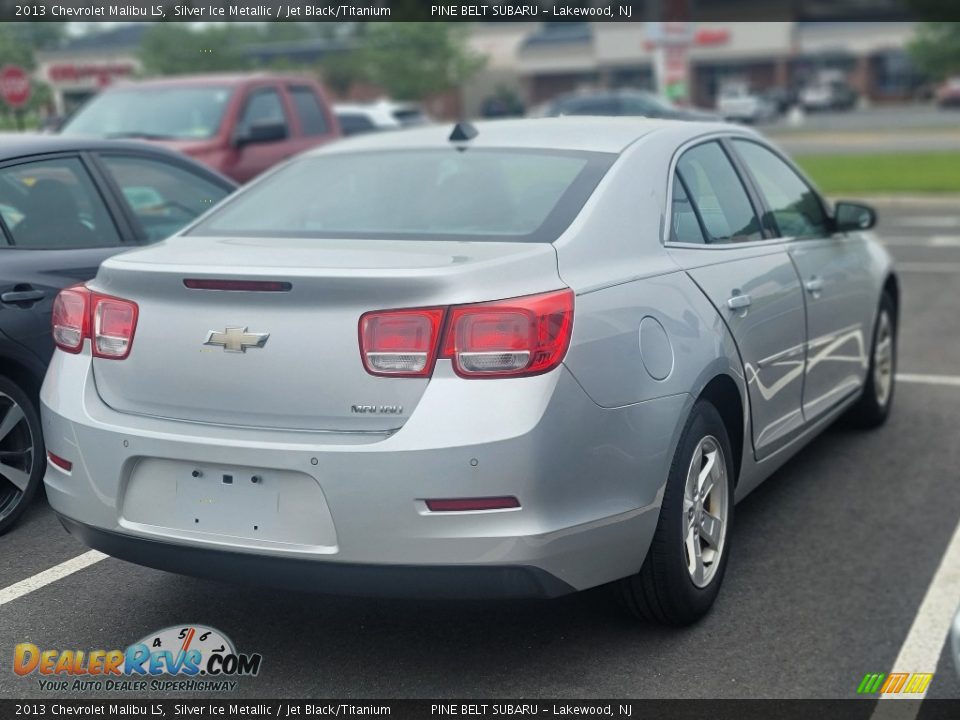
[(59, 461), (400, 343), (465, 504), (238, 285)]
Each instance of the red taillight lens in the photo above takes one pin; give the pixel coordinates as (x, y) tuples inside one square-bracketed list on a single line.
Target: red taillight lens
[(400, 343), (523, 336), (114, 321), (71, 318), (507, 338), (79, 313)]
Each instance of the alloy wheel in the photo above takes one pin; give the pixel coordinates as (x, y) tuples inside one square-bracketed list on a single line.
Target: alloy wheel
[(16, 454), (705, 511), (883, 359)]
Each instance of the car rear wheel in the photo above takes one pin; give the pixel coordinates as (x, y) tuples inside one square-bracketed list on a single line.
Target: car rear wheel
[(873, 408), (684, 567), (22, 457)]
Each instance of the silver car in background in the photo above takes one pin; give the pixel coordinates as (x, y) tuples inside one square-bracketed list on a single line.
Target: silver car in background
[(520, 359)]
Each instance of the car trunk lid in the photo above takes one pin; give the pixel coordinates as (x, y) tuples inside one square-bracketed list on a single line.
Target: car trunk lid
[(290, 358)]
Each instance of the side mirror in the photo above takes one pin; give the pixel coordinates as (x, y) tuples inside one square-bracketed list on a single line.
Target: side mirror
[(263, 132), (853, 217)]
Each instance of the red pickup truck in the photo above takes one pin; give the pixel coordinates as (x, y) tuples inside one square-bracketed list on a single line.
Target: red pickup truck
[(238, 124)]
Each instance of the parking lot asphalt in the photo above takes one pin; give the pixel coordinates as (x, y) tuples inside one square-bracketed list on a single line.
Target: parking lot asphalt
[(832, 558)]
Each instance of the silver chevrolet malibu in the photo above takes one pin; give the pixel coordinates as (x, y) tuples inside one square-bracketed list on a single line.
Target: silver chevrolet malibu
[(519, 358)]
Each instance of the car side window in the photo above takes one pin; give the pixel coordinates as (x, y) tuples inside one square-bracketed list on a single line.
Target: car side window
[(264, 107), (54, 204), (718, 194), (684, 224), (162, 196), (313, 121), (796, 208), (355, 123), (591, 106)]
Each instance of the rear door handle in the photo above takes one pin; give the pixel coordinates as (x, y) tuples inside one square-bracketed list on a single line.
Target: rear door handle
[(18, 296), (739, 301)]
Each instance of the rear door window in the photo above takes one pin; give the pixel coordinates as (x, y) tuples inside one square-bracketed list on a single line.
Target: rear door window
[(684, 223), (796, 208), (313, 121), (54, 204), (162, 196), (718, 194)]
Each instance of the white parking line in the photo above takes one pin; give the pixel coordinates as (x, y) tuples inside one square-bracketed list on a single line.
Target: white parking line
[(950, 380), (35, 582), (921, 650)]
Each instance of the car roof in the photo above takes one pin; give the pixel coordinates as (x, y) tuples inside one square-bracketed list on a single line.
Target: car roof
[(580, 133), (229, 79), (16, 145)]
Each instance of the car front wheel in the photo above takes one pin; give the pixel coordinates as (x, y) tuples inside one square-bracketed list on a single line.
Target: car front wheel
[(873, 408), (684, 567)]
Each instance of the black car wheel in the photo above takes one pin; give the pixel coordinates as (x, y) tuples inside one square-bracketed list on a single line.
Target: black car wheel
[(22, 455)]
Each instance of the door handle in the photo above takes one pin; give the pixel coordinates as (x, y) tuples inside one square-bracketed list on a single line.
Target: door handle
[(814, 285), (18, 296), (739, 301)]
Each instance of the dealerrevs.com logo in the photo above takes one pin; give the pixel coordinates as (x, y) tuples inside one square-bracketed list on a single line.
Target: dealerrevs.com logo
[(180, 658)]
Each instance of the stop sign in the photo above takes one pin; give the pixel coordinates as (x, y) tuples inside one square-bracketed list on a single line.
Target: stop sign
[(14, 86)]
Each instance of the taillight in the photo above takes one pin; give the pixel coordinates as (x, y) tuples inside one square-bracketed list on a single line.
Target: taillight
[(400, 343), (507, 338), (71, 319), (523, 336), (109, 322), (114, 321)]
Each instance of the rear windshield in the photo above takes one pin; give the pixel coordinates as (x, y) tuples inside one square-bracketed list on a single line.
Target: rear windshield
[(444, 194)]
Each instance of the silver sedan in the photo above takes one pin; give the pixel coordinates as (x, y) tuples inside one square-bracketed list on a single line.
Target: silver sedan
[(520, 358)]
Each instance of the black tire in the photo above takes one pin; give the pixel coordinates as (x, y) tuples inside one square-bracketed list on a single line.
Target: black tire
[(664, 590), (873, 407), (21, 450)]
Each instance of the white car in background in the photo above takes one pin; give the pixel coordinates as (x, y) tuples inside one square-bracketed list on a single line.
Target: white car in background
[(738, 103), (357, 118)]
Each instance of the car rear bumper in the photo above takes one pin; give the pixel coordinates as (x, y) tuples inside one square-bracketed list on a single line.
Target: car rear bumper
[(346, 513), (338, 578)]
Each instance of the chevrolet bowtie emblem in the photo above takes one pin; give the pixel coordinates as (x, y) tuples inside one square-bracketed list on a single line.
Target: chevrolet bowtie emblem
[(236, 339)]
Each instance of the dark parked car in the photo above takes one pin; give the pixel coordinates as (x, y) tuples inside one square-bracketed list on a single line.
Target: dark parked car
[(239, 125), (65, 206), (620, 103)]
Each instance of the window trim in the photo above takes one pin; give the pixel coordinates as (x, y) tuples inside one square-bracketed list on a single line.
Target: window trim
[(824, 207), (105, 194), (665, 240)]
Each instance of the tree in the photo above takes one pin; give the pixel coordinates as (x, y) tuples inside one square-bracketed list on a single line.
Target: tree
[(177, 48), (413, 60), (936, 48)]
